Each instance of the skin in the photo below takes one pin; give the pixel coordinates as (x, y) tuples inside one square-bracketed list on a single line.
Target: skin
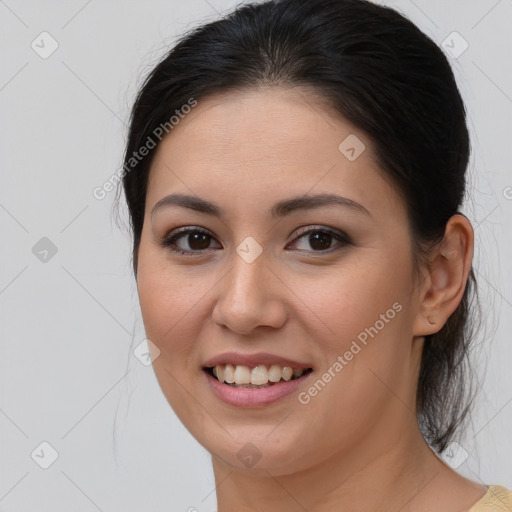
[(356, 444)]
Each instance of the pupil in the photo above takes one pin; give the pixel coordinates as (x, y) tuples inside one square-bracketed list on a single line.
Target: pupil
[(315, 237), (197, 237)]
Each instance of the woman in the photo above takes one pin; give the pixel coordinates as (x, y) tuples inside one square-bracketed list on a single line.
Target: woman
[(294, 174)]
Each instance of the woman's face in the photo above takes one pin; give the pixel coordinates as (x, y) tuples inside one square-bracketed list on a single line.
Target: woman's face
[(256, 289)]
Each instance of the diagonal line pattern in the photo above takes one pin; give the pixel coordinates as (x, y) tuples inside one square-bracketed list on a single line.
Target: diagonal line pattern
[(71, 71), (486, 217), (287, 492), (497, 414), (419, 491), (104, 395), (217, 486), (206, 1), (393, 393), (81, 491), (280, 423), (76, 14), (14, 218), (96, 300), (74, 218), (424, 13), (494, 288), (486, 14), (14, 76), (13, 279), (14, 423), (14, 485), (13, 13), (492, 81)]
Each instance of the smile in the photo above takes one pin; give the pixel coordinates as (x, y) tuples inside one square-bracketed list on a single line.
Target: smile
[(256, 377), (242, 393)]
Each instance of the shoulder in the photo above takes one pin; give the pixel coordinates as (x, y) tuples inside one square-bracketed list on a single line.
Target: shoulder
[(496, 499)]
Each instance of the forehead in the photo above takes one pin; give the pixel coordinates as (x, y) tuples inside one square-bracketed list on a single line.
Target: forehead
[(263, 143), (262, 125)]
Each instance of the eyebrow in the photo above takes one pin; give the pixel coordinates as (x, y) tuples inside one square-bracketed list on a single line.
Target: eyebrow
[(279, 210)]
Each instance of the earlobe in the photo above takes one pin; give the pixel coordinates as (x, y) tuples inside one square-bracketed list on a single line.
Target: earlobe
[(448, 273)]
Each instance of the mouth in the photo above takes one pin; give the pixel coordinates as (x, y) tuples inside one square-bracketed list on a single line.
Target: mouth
[(255, 377)]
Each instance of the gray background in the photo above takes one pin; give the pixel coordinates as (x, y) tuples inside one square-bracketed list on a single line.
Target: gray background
[(69, 324)]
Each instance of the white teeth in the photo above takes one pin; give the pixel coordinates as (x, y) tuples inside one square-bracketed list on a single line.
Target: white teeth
[(287, 373), (274, 374), (259, 375), (229, 374), (242, 375)]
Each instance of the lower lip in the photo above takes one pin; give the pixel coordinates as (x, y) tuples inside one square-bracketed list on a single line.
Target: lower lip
[(247, 397)]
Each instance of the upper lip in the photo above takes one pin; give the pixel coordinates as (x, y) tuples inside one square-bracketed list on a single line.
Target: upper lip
[(252, 360)]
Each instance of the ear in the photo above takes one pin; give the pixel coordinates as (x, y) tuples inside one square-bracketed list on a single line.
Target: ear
[(444, 284)]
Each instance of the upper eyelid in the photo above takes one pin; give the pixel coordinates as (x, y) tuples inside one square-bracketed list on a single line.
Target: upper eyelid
[(301, 232)]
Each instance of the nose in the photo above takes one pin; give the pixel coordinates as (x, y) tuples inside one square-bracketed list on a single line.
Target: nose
[(250, 296)]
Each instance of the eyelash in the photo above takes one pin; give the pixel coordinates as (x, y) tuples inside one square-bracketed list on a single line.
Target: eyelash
[(168, 242)]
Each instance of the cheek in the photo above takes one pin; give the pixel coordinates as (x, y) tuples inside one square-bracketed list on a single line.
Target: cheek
[(167, 304), (168, 299), (367, 318), (360, 297)]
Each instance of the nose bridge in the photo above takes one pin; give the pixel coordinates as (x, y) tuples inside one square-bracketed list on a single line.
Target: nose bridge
[(247, 299), (245, 280)]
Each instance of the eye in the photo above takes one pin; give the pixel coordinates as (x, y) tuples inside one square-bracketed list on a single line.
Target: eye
[(320, 239), (197, 239)]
